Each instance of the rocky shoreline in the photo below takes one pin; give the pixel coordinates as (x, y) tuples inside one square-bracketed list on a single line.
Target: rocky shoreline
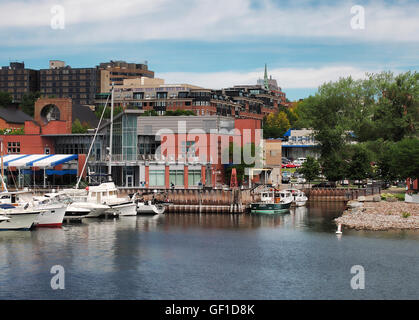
[(383, 215)]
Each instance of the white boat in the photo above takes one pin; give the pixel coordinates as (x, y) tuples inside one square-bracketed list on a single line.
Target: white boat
[(149, 208), (107, 194), (272, 201), (77, 203), (51, 215), (299, 198), (17, 218)]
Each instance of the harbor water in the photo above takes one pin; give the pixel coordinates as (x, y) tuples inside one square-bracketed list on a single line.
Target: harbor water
[(191, 256)]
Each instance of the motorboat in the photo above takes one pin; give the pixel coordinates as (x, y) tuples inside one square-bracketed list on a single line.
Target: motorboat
[(15, 218), (149, 208), (107, 194), (272, 201), (299, 197), (145, 207), (77, 203), (50, 214)]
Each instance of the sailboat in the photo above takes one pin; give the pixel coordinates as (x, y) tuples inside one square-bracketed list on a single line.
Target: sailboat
[(107, 193)]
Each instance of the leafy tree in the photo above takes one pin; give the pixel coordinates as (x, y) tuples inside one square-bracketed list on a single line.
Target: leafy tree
[(405, 158), (78, 127), (5, 99), (28, 102), (359, 166), (107, 115), (310, 169), (275, 125)]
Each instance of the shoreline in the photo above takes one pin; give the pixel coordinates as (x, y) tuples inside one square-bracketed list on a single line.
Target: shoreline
[(380, 216)]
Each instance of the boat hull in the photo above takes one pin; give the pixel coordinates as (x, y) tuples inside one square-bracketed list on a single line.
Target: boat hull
[(51, 216), (150, 209), (87, 209), (269, 208), (18, 221), (125, 209)]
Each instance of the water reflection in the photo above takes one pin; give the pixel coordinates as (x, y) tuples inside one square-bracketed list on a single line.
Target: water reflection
[(207, 256)]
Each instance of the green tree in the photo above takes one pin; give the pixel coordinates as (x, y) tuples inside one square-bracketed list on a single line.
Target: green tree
[(405, 158), (78, 127), (275, 125), (107, 115), (5, 99), (359, 166), (310, 169), (28, 102)]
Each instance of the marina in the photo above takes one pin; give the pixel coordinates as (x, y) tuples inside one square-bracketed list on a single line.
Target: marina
[(197, 256)]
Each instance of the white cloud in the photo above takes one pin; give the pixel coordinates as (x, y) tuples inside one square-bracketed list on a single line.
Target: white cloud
[(288, 78), (90, 21)]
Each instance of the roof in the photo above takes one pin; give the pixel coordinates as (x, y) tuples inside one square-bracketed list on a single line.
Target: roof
[(14, 115), (84, 114), (37, 160)]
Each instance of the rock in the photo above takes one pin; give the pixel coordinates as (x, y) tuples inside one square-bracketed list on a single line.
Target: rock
[(354, 204), (376, 198), (361, 198)]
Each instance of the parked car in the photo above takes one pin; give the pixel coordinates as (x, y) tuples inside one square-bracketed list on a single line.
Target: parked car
[(286, 177), (328, 184), (301, 180), (302, 160), (285, 160)]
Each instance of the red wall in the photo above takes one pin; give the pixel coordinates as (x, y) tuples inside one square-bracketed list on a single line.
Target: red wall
[(29, 144)]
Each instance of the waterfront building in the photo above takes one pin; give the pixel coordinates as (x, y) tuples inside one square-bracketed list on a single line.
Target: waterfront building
[(246, 102), (53, 118), (300, 144), (18, 80)]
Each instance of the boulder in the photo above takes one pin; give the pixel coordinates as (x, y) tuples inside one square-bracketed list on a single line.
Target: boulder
[(361, 198), (354, 204), (376, 198)]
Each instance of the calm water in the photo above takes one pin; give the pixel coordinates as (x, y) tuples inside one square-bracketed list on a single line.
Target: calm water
[(290, 256)]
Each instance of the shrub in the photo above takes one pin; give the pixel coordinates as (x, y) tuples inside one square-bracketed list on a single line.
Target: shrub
[(405, 214)]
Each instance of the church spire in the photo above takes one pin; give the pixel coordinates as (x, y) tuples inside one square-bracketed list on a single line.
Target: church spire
[(265, 78)]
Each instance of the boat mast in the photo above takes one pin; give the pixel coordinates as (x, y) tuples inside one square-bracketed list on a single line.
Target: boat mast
[(3, 184), (91, 145), (110, 138)]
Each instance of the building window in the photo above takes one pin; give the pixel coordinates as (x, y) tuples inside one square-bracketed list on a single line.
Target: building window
[(176, 177), (13, 147), (156, 178), (194, 177)]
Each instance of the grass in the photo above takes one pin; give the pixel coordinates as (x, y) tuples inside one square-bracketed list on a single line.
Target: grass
[(398, 196), (405, 215)]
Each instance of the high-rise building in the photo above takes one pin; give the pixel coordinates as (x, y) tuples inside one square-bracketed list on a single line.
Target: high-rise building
[(17, 80), (117, 71), (61, 81)]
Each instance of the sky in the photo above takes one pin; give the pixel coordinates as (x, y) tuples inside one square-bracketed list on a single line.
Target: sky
[(218, 43)]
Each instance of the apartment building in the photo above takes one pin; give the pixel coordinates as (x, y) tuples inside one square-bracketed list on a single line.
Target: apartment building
[(18, 80)]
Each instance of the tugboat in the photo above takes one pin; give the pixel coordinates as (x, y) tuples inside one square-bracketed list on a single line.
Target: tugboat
[(272, 201)]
